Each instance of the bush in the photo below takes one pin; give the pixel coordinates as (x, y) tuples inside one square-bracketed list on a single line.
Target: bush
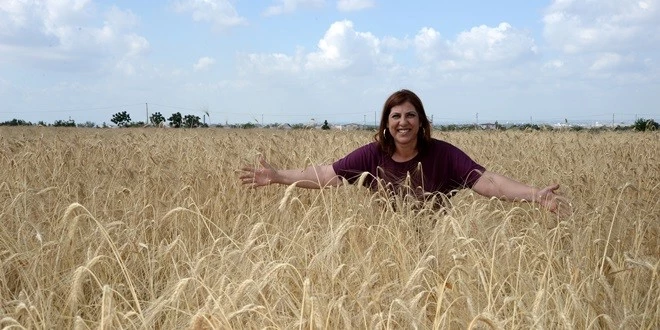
[(16, 122), (87, 124), (64, 123), (642, 125)]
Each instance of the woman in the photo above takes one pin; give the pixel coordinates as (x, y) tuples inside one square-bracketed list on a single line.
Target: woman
[(404, 158)]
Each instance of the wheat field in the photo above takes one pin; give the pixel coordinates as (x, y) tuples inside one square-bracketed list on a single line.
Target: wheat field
[(150, 228)]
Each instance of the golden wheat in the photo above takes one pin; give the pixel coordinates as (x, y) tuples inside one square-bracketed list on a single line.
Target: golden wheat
[(150, 228)]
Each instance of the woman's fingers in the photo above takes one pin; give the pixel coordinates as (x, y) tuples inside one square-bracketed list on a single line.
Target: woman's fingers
[(255, 176)]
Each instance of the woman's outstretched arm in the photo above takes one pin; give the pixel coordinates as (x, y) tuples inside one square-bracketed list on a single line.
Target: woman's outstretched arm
[(495, 185), (313, 177)]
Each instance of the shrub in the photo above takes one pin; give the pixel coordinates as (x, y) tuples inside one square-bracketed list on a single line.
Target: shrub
[(65, 123), (642, 125), (16, 122)]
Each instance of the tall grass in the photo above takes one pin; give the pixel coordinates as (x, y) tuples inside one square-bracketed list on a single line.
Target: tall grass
[(147, 228)]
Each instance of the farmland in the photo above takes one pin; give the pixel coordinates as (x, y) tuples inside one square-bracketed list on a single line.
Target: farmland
[(150, 228)]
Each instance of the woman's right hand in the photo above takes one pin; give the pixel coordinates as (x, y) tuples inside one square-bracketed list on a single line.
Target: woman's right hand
[(259, 176)]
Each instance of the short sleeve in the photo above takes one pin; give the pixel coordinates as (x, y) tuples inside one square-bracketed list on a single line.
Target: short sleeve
[(363, 159), (465, 171)]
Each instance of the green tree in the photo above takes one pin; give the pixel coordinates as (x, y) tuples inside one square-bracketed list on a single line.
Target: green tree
[(87, 124), (192, 121), (325, 125), (16, 122), (64, 123), (121, 119), (642, 125), (176, 120), (156, 118)]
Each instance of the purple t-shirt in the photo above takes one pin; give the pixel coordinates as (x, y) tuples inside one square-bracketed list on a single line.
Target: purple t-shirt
[(442, 168)]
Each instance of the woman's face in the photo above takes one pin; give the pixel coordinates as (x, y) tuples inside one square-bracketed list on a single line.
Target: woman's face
[(403, 124)]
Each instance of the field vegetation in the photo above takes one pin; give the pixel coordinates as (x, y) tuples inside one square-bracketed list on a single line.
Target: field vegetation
[(150, 228)]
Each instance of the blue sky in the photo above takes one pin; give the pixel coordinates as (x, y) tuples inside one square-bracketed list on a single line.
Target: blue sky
[(301, 60)]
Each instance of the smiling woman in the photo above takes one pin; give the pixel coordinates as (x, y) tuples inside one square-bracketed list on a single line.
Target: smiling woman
[(406, 160)]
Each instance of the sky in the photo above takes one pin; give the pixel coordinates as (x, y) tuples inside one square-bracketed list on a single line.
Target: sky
[(304, 61)]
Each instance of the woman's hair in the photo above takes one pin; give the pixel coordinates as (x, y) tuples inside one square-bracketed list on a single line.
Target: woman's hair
[(383, 137)]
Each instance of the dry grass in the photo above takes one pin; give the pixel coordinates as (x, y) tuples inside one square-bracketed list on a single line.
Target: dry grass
[(147, 228)]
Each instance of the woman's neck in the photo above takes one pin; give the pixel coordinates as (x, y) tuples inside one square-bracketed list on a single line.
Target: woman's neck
[(405, 153)]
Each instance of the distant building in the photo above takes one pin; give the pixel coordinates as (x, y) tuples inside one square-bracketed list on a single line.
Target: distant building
[(488, 126)]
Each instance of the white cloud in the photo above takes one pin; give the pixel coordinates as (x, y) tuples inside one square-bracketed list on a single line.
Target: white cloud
[(606, 61), (57, 34), (479, 47), (289, 6), (583, 26), (341, 53), (221, 13), (429, 45), (354, 5), (553, 65), (497, 44), (203, 63), (273, 63), (344, 48), (354, 53)]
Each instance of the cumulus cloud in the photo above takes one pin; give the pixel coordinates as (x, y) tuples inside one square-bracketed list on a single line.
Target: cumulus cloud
[(221, 13), (65, 34), (288, 6), (348, 51), (203, 63), (480, 46), (583, 26), (428, 45), (344, 48), (493, 44), (354, 5)]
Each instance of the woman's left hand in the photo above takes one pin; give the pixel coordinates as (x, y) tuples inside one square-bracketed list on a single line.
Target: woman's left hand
[(553, 201)]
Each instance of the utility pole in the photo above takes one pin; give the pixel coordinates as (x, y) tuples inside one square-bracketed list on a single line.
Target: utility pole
[(477, 123), (146, 105), (365, 122)]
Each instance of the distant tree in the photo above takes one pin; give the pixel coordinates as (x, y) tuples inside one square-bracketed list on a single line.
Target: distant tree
[(325, 125), (176, 120), (64, 123), (136, 124), (642, 125), (121, 119), (16, 122), (191, 121), (87, 124), (156, 118)]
